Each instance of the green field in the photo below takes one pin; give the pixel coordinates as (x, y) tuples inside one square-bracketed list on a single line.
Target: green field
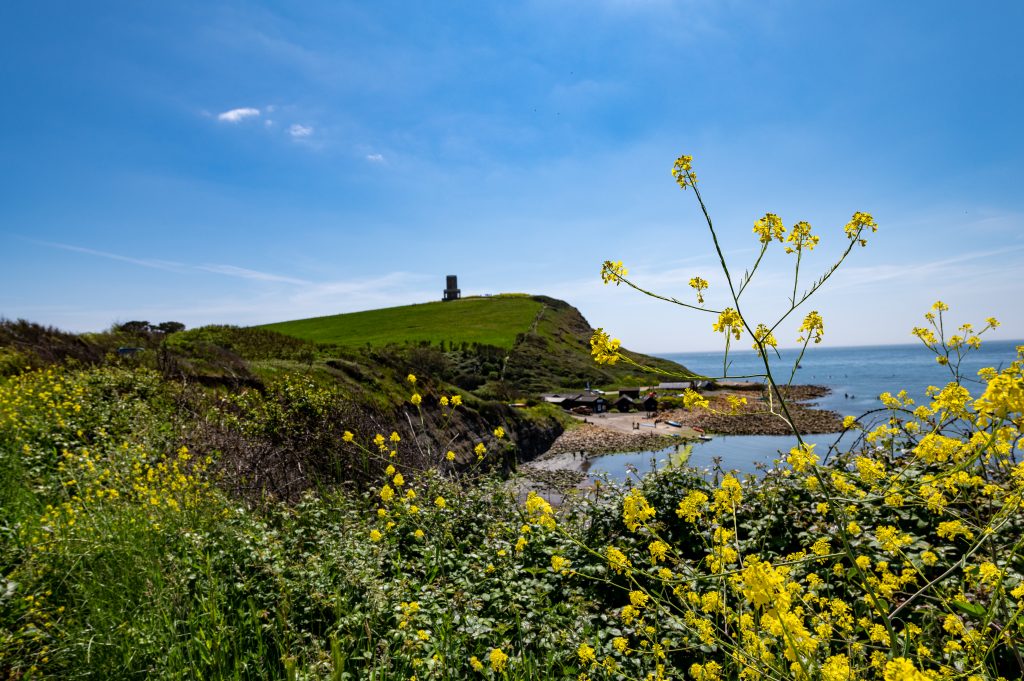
[(493, 321)]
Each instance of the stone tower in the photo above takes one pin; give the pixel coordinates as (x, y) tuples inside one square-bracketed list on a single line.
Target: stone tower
[(452, 291)]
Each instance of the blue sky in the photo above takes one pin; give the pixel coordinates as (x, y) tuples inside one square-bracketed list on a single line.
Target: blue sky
[(232, 162)]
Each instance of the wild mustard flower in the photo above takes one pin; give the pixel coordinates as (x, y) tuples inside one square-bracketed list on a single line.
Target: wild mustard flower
[(605, 350), (617, 560), (802, 457), (613, 272), (449, 455), (856, 226), (499, 432), (639, 599), (812, 328), (902, 669), (636, 510), (586, 655), (699, 285), (729, 321), (411, 378), (694, 400), (682, 170), (800, 236), (709, 671), (769, 227), (951, 528), (476, 664), (440, 502), (480, 450), (763, 336), (348, 436), (692, 505), (658, 550), (416, 399), (728, 495), (499, 660)]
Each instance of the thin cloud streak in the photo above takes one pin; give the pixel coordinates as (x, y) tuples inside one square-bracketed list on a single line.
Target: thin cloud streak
[(245, 273), (180, 268), (165, 265)]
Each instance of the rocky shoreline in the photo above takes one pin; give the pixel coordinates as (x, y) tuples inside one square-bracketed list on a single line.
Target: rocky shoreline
[(754, 417), (590, 439), (561, 468)]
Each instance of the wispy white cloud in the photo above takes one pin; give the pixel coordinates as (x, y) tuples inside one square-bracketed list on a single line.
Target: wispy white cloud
[(142, 262), (245, 273), (169, 266), (375, 158), (930, 271), (237, 115), (300, 131)]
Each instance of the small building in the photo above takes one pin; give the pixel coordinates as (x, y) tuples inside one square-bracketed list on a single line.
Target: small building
[(633, 393), (624, 404), (592, 401), (648, 403), (452, 291), (597, 403)]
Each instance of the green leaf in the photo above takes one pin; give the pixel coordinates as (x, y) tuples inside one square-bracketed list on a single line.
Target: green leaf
[(972, 609)]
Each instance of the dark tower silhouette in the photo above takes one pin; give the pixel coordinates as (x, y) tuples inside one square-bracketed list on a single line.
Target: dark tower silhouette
[(452, 292)]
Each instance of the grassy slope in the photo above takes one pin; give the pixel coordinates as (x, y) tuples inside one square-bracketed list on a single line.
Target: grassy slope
[(546, 342), (488, 321)]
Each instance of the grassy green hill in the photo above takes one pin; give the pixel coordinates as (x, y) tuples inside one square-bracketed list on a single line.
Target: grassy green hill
[(510, 342), (491, 321)]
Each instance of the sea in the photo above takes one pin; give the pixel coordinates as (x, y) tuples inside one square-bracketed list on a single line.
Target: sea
[(856, 377)]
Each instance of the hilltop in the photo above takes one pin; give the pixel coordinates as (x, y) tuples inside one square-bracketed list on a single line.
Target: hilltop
[(502, 344)]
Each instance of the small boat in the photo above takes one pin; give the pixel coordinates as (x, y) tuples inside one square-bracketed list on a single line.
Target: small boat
[(705, 438), (674, 424)]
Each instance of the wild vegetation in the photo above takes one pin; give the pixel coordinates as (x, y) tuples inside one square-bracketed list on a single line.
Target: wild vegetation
[(265, 525)]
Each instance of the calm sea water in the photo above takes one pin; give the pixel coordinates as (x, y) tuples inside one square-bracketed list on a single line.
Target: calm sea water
[(856, 376)]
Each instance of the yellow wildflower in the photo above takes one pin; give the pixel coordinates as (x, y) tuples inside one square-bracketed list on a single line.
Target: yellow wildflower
[(769, 227), (729, 321), (613, 271), (604, 349), (812, 328), (636, 510), (499, 660), (699, 285)]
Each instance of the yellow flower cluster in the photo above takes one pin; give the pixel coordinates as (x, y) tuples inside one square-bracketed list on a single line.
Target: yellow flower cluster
[(812, 328), (682, 170), (800, 236), (605, 350), (769, 227), (699, 285), (613, 272), (729, 321)]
